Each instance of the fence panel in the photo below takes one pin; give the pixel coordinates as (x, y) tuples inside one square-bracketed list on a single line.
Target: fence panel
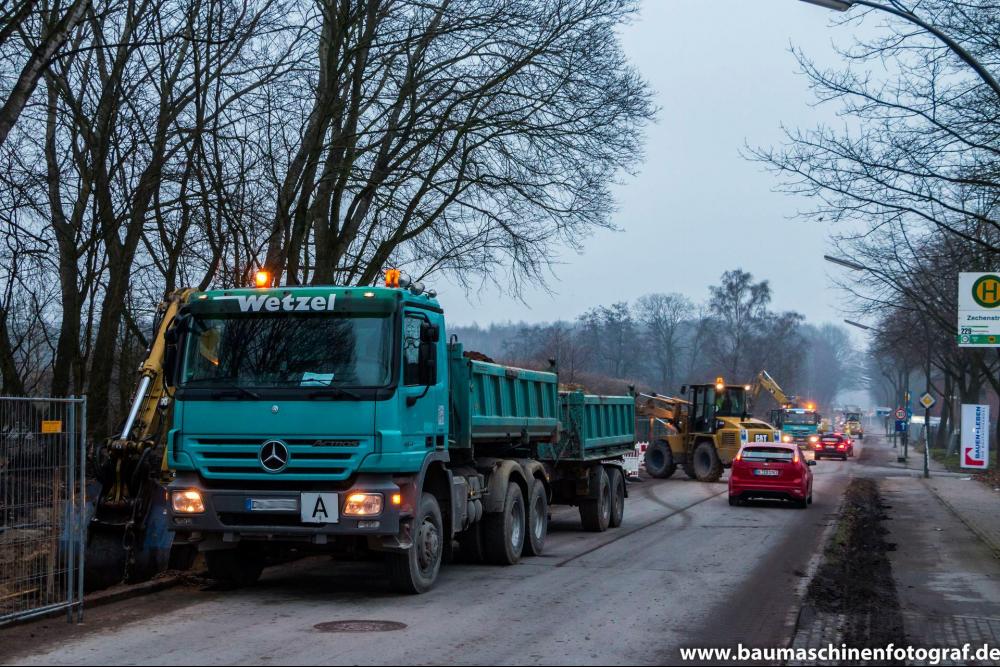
[(42, 476)]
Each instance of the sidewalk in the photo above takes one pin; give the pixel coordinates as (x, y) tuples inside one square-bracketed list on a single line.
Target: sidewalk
[(976, 505), (946, 563)]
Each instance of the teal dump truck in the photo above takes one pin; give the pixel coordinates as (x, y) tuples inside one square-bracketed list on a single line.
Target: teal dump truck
[(341, 419)]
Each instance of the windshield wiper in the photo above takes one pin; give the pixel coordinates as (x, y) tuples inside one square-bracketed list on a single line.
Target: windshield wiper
[(333, 392), (234, 392)]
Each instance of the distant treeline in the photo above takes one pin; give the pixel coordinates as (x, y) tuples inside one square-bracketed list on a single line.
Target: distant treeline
[(660, 341)]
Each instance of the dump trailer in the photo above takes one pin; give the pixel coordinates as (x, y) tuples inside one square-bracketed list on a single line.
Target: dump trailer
[(703, 433), (338, 419)]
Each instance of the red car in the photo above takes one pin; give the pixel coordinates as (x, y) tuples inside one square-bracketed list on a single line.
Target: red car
[(834, 444), (774, 470)]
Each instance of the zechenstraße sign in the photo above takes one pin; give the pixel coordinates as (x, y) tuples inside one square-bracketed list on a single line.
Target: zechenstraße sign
[(975, 450), (979, 309)]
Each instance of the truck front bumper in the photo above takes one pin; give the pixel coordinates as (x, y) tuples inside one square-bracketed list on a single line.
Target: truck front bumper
[(228, 515)]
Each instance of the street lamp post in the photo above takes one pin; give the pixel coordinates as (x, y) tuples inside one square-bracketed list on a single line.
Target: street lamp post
[(956, 48)]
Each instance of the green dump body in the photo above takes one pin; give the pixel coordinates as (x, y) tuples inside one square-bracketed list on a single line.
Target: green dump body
[(492, 403), (593, 428), (496, 403)]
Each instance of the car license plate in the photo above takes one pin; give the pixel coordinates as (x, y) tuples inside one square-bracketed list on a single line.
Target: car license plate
[(319, 508), (831, 446), (766, 473)]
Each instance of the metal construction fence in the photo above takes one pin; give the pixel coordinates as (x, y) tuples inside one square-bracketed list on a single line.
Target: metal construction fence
[(42, 476)]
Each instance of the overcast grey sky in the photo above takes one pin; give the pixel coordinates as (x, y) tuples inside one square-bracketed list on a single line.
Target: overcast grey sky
[(723, 75)]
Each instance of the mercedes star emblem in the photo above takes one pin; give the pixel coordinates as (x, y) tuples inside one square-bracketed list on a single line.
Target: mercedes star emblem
[(273, 456)]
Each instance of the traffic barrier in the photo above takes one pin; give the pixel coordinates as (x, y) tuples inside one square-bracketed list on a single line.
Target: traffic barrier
[(42, 476)]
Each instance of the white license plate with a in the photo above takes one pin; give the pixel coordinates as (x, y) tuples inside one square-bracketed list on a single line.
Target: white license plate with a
[(766, 473), (319, 508)]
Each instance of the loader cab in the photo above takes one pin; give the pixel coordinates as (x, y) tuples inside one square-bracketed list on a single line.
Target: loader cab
[(710, 402)]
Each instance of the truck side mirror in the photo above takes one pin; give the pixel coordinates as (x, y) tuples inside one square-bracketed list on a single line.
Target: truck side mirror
[(171, 338), (428, 362), (429, 333)]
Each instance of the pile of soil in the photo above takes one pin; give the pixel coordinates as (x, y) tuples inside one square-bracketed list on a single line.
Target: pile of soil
[(855, 578)]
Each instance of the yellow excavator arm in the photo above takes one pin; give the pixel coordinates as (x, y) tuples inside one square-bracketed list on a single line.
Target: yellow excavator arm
[(143, 426), (765, 381)]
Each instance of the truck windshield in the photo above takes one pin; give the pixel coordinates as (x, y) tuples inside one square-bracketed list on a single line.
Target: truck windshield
[(800, 418), (853, 417), (286, 350)]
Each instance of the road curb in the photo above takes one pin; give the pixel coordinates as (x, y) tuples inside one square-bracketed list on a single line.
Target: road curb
[(109, 596), (983, 537)]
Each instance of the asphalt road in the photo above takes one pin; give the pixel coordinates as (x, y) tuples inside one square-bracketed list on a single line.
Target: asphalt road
[(685, 569)]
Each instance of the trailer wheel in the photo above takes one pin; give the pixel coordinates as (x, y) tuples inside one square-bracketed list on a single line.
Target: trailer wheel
[(707, 466), (595, 513), (538, 520), (660, 460), (504, 532), (416, 569), (236, 567), (617, 483)]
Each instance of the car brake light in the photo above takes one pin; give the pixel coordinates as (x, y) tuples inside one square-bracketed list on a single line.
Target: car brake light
[(739, 456), (841, 446), (795, 459)]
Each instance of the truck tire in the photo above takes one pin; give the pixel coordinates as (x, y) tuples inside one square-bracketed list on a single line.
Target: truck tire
[(538, 520), (595, 513), (707, 466), (616, 480), (660, 460), (504, 532), (236, 567), (416, 569)]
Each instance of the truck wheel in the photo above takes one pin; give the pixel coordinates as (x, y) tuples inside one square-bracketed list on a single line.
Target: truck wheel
[(416, 569), (504, 532), (616, 481), (538, 520), (595, 513), (660, 460), (237, 567), (707, 466)]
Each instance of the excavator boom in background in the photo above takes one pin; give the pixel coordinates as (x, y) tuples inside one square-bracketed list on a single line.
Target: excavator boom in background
[(127, 536)]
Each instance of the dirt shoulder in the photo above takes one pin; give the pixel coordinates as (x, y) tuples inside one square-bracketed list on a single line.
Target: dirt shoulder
[(852, 597)]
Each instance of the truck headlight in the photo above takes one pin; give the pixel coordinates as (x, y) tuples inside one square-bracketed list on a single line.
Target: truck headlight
[(187, 502), (814, 438), (786, 438), (363, 504)]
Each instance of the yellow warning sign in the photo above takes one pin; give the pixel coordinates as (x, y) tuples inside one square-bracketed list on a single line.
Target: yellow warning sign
[(52, 426)]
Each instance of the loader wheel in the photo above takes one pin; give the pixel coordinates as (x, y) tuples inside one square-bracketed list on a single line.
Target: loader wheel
[(617, 483), (595, 513), (416, 569), (707, 466), (538, 520), (689, 469), (660, 460), (504, 532), (236, 567)]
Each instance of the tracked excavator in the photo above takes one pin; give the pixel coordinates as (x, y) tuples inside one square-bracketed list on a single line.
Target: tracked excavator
[(127, 536)]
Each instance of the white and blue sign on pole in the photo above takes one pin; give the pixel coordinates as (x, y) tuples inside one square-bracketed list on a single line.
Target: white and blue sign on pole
[(901, 426)]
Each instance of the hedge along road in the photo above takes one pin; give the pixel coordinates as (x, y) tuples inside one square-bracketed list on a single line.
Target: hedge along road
[(685, 569)]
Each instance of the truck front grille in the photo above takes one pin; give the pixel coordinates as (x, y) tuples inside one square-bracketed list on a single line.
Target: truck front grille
[(309, 458)]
